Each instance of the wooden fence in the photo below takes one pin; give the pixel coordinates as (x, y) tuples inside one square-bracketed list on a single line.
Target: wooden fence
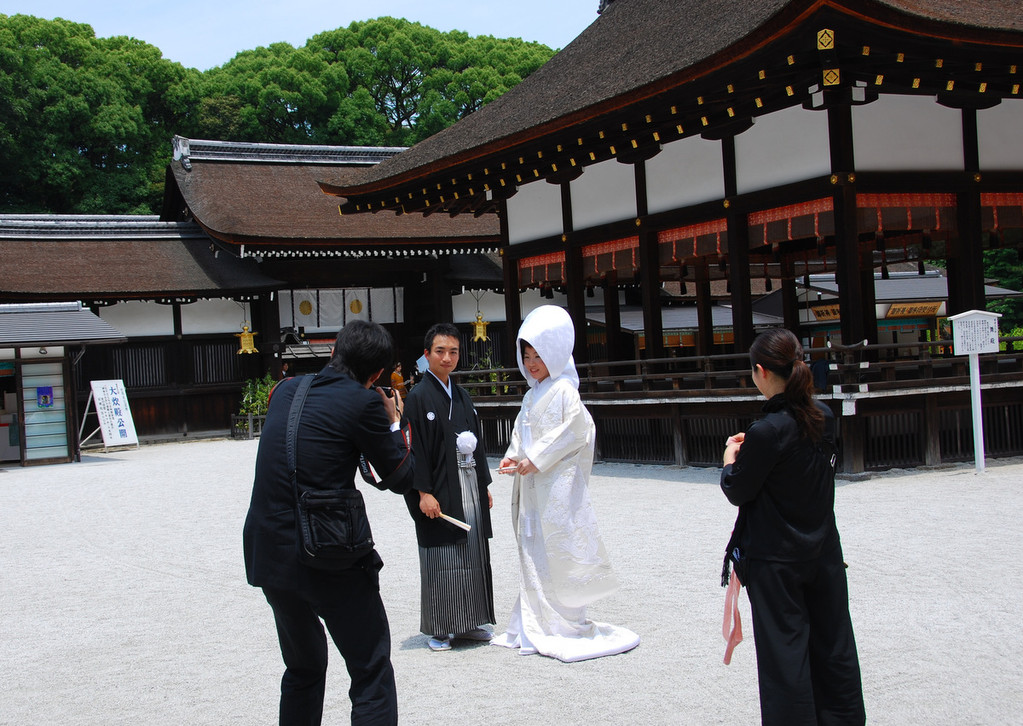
[(897, 405)]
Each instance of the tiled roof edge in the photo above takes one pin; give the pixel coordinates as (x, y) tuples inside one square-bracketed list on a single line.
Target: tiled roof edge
[(94, 226), (189, 150)]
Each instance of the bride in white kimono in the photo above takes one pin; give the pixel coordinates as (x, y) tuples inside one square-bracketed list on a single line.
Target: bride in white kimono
[(564, 566)]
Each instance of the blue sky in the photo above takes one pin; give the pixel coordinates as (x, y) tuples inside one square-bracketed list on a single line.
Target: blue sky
[(209, 33)]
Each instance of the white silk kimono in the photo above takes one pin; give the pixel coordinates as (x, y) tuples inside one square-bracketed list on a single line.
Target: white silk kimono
[(563, 563)]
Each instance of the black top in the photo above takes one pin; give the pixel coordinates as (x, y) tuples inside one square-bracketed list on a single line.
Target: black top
[(341, 419), (433, 441), (785, 486)]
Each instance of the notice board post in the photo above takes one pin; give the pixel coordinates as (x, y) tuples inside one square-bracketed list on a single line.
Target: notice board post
[(975, 332)]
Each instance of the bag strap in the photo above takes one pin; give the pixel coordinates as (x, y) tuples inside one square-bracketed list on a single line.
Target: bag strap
[(295, 414), (399, 471), (297, 404)]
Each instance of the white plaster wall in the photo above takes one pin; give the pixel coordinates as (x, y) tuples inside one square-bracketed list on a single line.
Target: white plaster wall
[(492, 304), (534, 212), (686, 172), (907, 133), (215, 316), (136, 318), (530, 300), (1000, 133), (330, 309), (606, 192), (782, 147), (464, 306)]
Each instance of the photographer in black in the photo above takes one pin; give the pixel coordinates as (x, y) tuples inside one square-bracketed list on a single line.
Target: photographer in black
[(343, 417)]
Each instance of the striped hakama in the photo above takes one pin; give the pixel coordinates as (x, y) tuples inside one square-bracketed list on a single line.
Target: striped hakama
[(456, 593)]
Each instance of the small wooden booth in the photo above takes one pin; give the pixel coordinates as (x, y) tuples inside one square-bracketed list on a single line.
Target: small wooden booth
[(39, 345)]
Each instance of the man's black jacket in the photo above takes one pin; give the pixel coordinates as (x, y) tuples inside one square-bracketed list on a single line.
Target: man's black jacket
[(341, 419)]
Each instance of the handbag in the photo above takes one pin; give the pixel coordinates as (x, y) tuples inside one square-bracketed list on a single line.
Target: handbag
[(334, 532)]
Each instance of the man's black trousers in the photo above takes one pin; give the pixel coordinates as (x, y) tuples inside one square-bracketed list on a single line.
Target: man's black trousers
[(349, 604)]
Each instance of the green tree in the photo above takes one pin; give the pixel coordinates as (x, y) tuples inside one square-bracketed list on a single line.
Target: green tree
[(1005, 266), (418, 79), (84, 122), (278, 94)]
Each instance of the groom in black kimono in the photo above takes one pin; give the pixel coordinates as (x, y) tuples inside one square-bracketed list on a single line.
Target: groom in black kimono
[(457, 586)]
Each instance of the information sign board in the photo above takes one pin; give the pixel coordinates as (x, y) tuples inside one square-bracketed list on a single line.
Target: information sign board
[(114, 414), (975, 331)]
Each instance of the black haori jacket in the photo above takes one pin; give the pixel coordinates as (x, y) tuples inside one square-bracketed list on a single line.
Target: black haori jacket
[(433, 442), (341, 419), (784, 485)]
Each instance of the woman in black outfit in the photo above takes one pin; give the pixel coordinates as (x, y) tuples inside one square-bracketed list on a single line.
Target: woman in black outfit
[(786, 549)]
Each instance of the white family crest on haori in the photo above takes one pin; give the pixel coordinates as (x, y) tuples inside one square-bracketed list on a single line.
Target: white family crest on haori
[(564, 565)]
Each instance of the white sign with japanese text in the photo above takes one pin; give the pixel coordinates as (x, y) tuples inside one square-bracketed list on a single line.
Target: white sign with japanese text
[(114, 414), (975, 332)]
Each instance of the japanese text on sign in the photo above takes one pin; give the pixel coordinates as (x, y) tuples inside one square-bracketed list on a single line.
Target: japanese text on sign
[(114, 414), (977, 334)]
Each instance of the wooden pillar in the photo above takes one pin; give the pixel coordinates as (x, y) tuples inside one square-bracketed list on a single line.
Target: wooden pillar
[(512, 296), (868, 312), (441, 290), (966, 258), (739, 278), (649, 272), (179, 368), (613, 318), (847, 239), (650, 287), (575, 286), (266, 321), (512, 308), (852, 434), (738, 255), (704, 308), (932, 432), (576, 290), (847, 272), (789, 296), (426, 302)]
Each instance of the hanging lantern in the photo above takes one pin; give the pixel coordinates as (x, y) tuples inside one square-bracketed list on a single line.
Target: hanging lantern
[(479, 328), (246, 342)]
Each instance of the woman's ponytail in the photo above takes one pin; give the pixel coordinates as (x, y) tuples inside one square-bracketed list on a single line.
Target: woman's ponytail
[(779, 351)]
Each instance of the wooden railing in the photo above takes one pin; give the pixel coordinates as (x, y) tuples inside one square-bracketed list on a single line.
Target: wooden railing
[(837, 369), (897, 405), (921, 365)]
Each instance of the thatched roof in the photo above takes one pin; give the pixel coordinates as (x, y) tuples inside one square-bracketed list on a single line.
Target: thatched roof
[(639, 48), (61, 257), (267, 194)]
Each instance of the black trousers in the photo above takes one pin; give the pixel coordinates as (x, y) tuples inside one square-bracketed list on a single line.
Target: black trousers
[(807, 665), (349, 604)]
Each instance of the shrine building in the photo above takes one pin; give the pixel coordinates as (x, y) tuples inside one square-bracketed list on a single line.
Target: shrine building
[(679, 143)]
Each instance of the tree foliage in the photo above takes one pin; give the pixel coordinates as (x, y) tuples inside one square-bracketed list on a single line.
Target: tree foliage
[(86, 122), (1005, 266)]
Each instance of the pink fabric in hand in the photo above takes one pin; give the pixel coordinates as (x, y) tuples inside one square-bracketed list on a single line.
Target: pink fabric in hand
[(731, 629)]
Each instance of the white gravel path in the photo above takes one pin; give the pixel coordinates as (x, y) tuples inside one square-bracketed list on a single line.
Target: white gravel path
[(123, 601)]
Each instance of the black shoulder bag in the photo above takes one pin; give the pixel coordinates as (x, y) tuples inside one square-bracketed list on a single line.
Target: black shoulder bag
[(334, 529)]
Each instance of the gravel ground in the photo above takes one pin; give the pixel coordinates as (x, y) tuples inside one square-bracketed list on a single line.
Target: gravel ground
[(123, 600)]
